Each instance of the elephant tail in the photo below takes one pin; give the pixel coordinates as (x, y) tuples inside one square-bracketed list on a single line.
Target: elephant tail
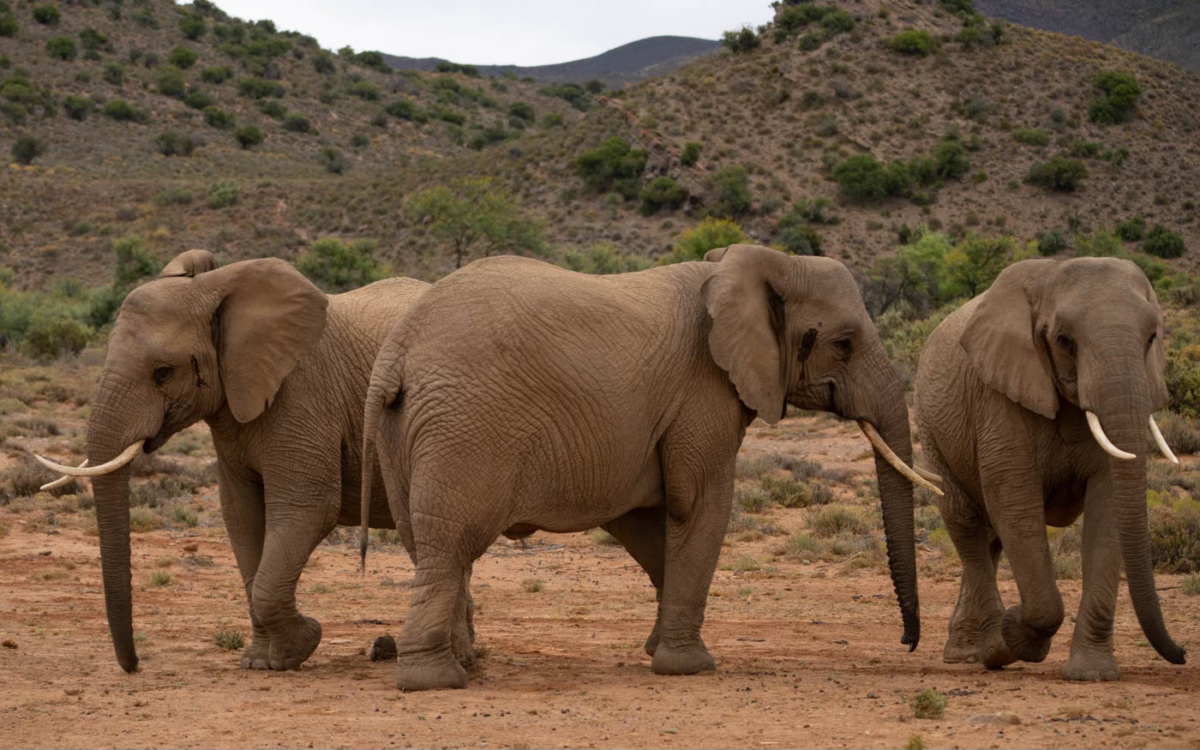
[(383, 392)]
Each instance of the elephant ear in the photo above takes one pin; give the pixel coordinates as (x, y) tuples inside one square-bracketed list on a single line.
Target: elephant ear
[(191, 263), (715, 255), (1004, 347), (266, 317), (1156, 359), (747, 324)]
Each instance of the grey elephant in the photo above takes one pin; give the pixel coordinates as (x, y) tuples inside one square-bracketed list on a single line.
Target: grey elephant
[(1034, 401), (517, 396), (279, 371)]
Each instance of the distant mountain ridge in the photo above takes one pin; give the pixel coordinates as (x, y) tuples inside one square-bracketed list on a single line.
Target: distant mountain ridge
[(1165, 29), (636, 61)]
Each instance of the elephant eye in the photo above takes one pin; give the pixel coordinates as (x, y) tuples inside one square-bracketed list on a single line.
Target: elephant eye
[(1066, 343), (162, 373), (1150, 343), (844, 348)]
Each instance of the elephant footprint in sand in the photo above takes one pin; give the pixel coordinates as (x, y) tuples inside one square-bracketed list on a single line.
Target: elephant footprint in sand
[(1034, 401), (517, 396)]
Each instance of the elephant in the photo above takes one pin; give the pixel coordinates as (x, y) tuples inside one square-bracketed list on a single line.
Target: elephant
[(516, 396), (279, 372), (1034, 401)]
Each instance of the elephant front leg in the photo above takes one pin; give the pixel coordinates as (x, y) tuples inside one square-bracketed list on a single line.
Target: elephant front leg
[(245, 522), (1092, 644), (643, 533)]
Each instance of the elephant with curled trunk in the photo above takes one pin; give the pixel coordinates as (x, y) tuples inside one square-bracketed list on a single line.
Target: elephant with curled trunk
[(279, 372), (1034, 401), (517, 396)]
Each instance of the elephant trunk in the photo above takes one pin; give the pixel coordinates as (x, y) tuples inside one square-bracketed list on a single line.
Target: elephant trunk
[(1124, 417), (890, 416), (108, 434)]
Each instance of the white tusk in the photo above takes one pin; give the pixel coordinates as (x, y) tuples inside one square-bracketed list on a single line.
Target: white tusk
[(1162, 442), (927, 474), (890, 456), (93, 471), (1098, 433), (62, 480)]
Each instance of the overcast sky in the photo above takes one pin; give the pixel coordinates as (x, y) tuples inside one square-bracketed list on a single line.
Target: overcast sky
[(499, 32)]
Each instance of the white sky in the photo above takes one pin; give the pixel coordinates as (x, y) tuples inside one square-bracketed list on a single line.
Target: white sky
[(499, 32)]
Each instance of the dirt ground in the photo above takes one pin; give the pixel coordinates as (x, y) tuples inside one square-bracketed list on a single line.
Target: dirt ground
[(808, 652)]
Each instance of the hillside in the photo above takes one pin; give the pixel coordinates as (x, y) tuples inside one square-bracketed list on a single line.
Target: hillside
[(786, 112), (1165, 29), (636, 61)]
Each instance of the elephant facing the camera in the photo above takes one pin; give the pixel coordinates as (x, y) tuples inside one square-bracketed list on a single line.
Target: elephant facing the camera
[(1034, 401), (279, 371), (517, 396)]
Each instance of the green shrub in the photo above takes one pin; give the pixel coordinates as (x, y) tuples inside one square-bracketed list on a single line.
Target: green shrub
[(522, 111), (296, 123), (257, 88), (612, 166), (8, 25), (572, 93), (223, 193), (404, 109), (1121, 92), (711, 233), (52, 334), (27, 148), (365, 90), (114, 73), (950, 159), (1031, 136), (217, 118), (862, 178), (228, 639), (662, 192), (928, 704), (375, 61), (730, 192), (915, 42), (160, 578), (324, 64), (78, 107), (786, 492), (1098, 244), (337, 266), (833, 520), (182, 58), (1132, 230), (248, 136), (603, 259), (1190, 585), (216, 75), (1175, 536), (741, 41), (192, 25), (752, 499), (333, 161), (198, 99), (47, 15), (173, 197), (489, 135), (169, 82), (1059, 173), (690, 154), (273, 108), (1052, 243), (171, 143), (1163, 243), (61, 48)]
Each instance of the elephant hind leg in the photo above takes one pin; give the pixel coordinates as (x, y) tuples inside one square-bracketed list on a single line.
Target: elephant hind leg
[(643, 533)]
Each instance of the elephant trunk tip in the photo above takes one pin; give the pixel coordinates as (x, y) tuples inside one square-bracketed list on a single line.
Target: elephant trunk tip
[(1173, 653), (912, 631), (128, 662)]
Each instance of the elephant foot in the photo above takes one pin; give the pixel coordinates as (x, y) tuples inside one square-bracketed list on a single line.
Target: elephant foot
[(682, 660), (462, 644), (438, 670), (651, 644), (996, 654), (1027, 643), (289, 650), (1091, 666), (257, 655), (962, 646)]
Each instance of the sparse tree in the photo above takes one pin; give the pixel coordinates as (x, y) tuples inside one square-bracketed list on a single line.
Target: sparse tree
[(472, 215)]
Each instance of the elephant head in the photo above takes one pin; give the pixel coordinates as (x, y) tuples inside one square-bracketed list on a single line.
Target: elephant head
[(189, 345), (1087, 332), (794, 330)]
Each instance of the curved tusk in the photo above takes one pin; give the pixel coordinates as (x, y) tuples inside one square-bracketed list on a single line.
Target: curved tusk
[(93, 471), (890, 456), (1162, 442), (62, 480), (1098, 433), (927, 474)]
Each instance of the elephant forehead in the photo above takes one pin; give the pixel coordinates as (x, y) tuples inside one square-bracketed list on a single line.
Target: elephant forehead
[(156, 314)]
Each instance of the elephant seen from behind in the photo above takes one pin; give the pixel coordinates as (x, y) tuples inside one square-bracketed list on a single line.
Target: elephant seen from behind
[(1034, 402)]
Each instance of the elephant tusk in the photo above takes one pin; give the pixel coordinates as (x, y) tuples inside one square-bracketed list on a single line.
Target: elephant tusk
[(1098, 433), (890, 456), (93, 471), (927, 474), (1162, 442), (63, 479)]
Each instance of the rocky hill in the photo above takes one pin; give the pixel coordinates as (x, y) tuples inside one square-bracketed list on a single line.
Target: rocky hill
[(636, 61), (772, 124)]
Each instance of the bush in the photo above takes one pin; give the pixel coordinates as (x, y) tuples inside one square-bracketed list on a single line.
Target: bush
[(61, 48), (1175, 535), (612, 166), (338, 267), (928, 704), (572, 93), (248, 136), (1132, 230), (216, 75), (405, 109), (114, 73), (223, 193), (1163, 243), (1059, 173), (862, 178), (47, 15), (296, 123), (217, 117), (488, 136), (324, 63), (52, 334), (169, 82), (690, 154), (171, 143), (374, 60), (743, 40), (228, 639), (365, 90), (192, 25), (950, 159), (1052, 243), (1180, 433), (522, 111), (333, 161), (712, 233), (78, 107), (1031, 136), (603, 259), (27, 148), (662, 192), (182, 58), (257, 88), (915, 42), (730, 192), (8, 25), (1121, 92)]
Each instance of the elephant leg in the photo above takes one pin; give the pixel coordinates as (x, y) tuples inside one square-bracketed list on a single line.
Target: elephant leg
[(1092, 644), (643, 533), (245, 522), (696, 516), (975, 627), (298, 518), (462, 637)]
